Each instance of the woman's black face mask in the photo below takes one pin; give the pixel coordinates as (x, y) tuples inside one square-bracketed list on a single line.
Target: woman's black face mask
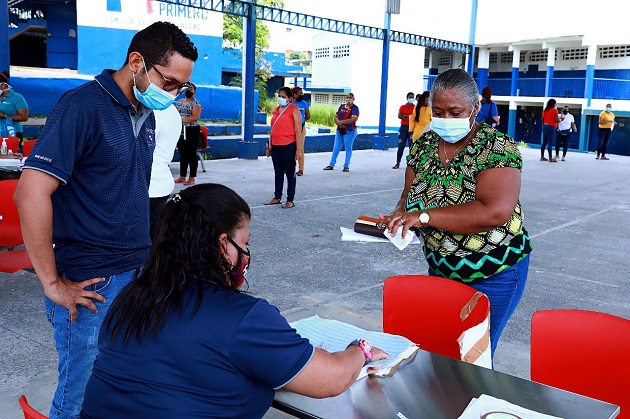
[(189, 94), (299, 98)]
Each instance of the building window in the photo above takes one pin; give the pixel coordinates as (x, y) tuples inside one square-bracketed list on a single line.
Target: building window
[(426, 61), (342, 51), (506, 57), (536, 56), (575, 54), (322, 52), (493, 57), (523, 56), (338, 99), (617, 51), (320, 98), (444, 61)]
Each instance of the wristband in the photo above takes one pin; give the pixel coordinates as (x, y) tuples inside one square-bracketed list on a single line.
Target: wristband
[(365, 346)]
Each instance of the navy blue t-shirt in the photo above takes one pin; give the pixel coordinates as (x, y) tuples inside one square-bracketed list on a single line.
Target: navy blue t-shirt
[(222, 362), (101, 149)]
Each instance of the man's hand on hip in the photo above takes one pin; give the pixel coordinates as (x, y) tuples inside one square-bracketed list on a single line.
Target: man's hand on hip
[(69, 294)]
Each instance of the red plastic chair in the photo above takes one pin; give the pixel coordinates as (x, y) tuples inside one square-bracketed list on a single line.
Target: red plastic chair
[(585, 352), (426, 310), (29, 412), (27, 146), (10, 231), (12, 143), (204, 139)]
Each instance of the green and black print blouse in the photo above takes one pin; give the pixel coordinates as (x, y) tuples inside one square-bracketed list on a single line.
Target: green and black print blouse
[(465, 256)]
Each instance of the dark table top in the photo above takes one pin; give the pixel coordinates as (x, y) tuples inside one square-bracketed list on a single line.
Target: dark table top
[(433, 386), (10, 171)]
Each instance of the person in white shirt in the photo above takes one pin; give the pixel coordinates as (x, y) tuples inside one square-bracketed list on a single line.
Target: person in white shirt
[(168, 126), (565, 127)]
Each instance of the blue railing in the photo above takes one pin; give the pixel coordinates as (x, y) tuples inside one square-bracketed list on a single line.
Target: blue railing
[(611, 89), (562, 87)]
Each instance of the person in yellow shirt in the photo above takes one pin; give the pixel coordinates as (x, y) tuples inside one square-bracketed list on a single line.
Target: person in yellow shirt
[(606, 124), (421, 116)]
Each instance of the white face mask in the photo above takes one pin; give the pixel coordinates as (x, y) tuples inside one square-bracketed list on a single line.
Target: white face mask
[(282, 101), (608, 109), (410, 101), (451, 130)]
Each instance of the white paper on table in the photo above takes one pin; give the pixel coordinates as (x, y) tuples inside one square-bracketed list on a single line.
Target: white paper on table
[(12, 162), (334, 336), (349, 235), (486, 404)]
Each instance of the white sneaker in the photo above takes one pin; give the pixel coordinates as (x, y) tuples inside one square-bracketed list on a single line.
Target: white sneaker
[(557, 157), (562, 158)]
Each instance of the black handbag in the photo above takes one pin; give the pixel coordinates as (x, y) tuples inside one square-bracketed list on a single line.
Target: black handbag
[(370, 226), (342, 130)]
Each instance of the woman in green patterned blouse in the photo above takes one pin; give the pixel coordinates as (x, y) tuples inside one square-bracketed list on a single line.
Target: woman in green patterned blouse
[(461, 193)]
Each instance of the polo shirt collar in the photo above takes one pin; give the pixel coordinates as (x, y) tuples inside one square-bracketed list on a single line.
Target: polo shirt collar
[(108, 84)]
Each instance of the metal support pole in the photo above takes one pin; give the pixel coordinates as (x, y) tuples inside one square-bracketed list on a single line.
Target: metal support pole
[(384, 74), (5, 55), (471, 39), (249, 72)]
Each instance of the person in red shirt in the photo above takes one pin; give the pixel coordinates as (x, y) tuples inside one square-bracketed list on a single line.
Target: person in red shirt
[(285, 146), (404, 136), (550, 124)]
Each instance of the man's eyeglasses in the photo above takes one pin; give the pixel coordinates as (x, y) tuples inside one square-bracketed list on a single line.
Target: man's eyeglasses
[(169, 85)]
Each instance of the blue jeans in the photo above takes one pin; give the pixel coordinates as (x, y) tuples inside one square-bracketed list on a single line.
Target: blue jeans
[(404, 139), (283, 158), (77, 343), (504, 290), (347, 141), (549, 135)]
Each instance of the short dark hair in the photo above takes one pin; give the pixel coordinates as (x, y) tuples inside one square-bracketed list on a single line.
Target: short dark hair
[(296, 90), (159, 41), (186, 254), (287, 91), (410, 94)]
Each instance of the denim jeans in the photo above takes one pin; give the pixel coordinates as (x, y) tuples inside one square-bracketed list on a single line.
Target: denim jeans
[(77, 343), (504, 290), (283, 158), (549, 135), (346, 140), (404, 139)]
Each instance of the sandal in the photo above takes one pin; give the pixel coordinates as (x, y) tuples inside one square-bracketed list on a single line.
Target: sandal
[(346, 169), (189, 182), (329, 168), (288, 204), (274, 201), (543, 158), (180, 180), (553, 161), (396, 166), (300, 173)]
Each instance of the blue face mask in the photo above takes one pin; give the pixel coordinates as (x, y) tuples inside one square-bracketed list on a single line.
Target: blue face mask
[(154, 97), (608, 109), (451, 130), (282, 101), (410, 101)]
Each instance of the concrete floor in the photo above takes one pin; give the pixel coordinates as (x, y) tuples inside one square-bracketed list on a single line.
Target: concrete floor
[(576, 212)]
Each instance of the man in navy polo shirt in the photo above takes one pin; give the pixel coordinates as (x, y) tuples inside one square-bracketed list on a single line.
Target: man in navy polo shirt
[(84, 190)]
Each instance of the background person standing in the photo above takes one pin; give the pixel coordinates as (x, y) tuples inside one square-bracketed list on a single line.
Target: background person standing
[(302, 105), (190, 110), (565, 126), (13, 107), (404, 136), (606, 124), (550, 124), (421, 116), (346, 120), (285, 146), (488, 111), (168, 126)]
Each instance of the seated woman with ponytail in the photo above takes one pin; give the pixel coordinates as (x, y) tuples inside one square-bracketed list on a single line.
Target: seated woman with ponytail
[(184, 340)]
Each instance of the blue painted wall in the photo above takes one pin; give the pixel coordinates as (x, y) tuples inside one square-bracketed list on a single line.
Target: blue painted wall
[(61, 46), (112, 53), (219, 103)]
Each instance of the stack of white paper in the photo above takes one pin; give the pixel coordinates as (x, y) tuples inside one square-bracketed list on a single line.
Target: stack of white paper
[(349, 235), (334, 336), (485, 404)]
